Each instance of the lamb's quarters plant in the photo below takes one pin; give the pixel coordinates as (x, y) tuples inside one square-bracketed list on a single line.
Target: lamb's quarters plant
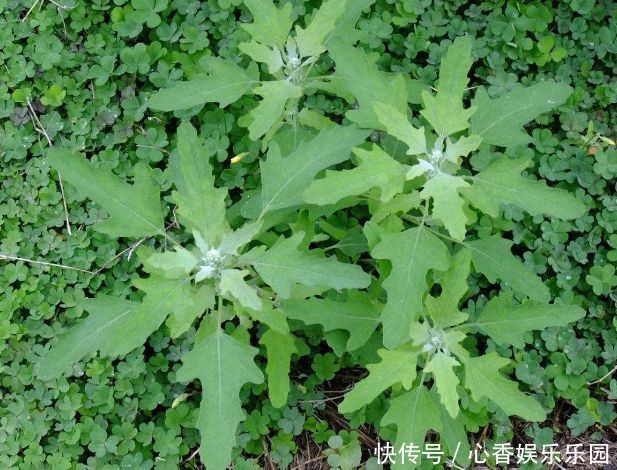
[(287, 59)]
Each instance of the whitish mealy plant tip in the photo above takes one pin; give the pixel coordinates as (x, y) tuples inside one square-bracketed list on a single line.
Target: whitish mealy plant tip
[(435, 342), (211, 264)]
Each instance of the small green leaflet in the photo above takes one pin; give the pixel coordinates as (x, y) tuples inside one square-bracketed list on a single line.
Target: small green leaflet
[(283, 265), (275, 95), (311, 41), (279, 347), (442, 365), (444, 111), (413, 413), (507, 323), (375, 86), (395, 367), (171, 264), (358, 315), (502, 183), (270, 25), (447, 203), (285, 178), (443, 310), (413, 253), (264, 54), (483, 379), (376, 169), (492, 257), (232, 284), (201, 206), (397, 125), (134, 210), (222, 365), (224, 83), (500, 121)]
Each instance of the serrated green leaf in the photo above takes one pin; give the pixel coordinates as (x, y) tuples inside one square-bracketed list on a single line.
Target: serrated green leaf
[(134, 210), (412, 253), (171, 264), (483, 379), (345, 29), (492, 257), (269, 110), (232, 284), (447, 203), (395, 367), (507, 323), (396, 124), (376, 169), (375, 86), (358, 315), (201, 206), (461, 148), (442, 365), (502, 183), (224, 83), (279, 348), (271, 25), (413, 413), (500, 121), (311, 40), (445, 111), (284, 179), (222, 365), (264, 54), (443, 310), (199, 299), (283, 265)]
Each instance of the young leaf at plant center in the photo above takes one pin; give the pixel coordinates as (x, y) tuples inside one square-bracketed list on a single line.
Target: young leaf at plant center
[(398, 366), (396, 124), (413, 413), (171, 264), (283, 265), (447, 203), (483, 379), (376, 169), (413, 253), (232, 284), (492, 257), (201, 206), (222, 365), (279, 347), (445, 111), (507, 323), (442, 365), (502, 183), (224, 83), (285, 178), (499, 121), (134, 210), (358, 315), (375, 86)]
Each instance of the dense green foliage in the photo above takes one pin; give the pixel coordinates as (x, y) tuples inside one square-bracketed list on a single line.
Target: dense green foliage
[(85, 77)]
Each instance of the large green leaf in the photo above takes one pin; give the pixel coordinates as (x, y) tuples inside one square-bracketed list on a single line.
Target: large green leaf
[(499, 121), (271, 25), (413, 413), (284, 178), (376, 169), (442, 365), (374, 87), (279, 347), (492, 257), (445, 111), (345, 29), (395, 367), (502, 183), (413, 253), (134, 210), (312, 39), (201, 206), (222, 365), (507, 323), (224, 83), (483, 379), (447, 202), (284, 265), (358, 315)]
